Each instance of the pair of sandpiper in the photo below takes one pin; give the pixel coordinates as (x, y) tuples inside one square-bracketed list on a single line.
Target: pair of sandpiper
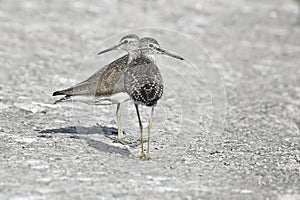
[(134, 76)]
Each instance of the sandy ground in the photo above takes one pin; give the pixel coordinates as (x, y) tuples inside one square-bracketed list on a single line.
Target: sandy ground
[(227, 126)]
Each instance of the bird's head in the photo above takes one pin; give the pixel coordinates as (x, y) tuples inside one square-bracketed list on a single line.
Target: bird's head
[(127, 43), (150, 46)]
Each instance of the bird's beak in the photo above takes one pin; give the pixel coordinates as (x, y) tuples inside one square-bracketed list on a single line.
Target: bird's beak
[(165, 52), (110, 49)]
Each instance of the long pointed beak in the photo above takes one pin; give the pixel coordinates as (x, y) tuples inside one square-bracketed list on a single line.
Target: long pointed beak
[(165, 52), (110, 49)]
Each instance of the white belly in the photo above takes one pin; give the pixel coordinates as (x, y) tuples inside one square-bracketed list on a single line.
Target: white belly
[(103, 100), (115, 98)]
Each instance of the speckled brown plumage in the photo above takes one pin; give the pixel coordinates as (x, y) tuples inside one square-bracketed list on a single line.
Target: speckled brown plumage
[(143, 81), (106, 81)]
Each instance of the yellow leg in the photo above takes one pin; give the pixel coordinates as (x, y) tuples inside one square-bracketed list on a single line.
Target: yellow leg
[(120, 130), (149, 130), (141, 129)]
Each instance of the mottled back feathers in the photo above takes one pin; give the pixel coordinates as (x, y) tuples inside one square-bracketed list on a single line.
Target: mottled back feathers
[(106, 81)]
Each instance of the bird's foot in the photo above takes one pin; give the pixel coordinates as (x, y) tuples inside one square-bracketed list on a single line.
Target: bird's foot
[(141, 157), (148, 157), (134, 143), (122, 141), (144, 156)]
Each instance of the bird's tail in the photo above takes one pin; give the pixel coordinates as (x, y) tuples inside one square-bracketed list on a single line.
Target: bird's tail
[(61, 92), (65, 98), (58, 93)]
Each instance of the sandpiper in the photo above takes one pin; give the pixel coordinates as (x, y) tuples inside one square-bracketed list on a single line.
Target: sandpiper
[(107, 84), (143, 81)]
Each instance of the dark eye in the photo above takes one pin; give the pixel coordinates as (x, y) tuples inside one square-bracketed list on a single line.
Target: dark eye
[(125, 41), (150, 45)]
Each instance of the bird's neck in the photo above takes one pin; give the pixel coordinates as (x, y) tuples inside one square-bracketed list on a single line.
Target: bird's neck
[(135, 55)]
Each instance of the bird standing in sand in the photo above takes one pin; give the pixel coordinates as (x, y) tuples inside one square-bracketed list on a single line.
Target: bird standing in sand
[(143, 81), (107, 84)]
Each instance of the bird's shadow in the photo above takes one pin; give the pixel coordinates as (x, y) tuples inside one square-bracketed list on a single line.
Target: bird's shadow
[(82, 130), (78, 131)]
